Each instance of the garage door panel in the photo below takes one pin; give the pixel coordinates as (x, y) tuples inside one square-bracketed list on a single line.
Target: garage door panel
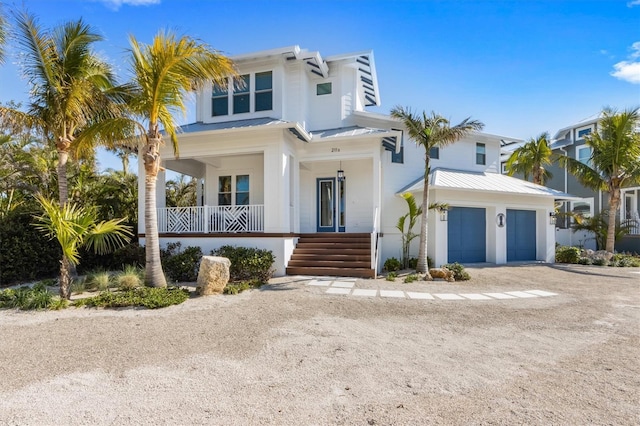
[(466, 234), (521, 235)]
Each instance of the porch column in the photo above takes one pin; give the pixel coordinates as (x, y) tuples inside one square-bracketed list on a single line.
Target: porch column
[(276, 193), (161, 189), (377, 188)]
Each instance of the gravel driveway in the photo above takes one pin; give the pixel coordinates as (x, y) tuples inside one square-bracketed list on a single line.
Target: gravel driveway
[(292, 354)]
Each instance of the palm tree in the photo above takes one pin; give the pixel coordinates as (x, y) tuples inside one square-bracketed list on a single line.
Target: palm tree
[(164, 72), (3, 34), (430, 131), (71, 88), (531, 158), (74, 227), (614, 161), (182, 192)]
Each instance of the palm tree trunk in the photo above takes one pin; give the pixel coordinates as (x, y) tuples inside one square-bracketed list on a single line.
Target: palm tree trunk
[(65, 278), (423, 264), (63, 146), (614, 204), (154, 276)]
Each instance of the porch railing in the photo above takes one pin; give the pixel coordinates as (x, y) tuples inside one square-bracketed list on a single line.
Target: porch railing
[(211, 219), (634, 223)]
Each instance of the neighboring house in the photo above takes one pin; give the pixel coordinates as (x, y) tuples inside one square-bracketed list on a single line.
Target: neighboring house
[(570, 141), (292, 162)]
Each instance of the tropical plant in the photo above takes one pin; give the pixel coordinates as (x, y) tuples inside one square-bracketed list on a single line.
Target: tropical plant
[(164, 72), (73, 226), (71, 87), (405, 225), (3, 34), (182, 192), (599, 225), (614, 162), (431, 131), (532, 159)]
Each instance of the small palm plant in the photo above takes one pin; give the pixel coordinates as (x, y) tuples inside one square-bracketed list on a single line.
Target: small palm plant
[(405, 225), (74, 227)]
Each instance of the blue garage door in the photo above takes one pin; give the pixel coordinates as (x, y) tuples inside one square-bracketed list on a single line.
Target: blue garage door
[(521, 235), (467, 235)]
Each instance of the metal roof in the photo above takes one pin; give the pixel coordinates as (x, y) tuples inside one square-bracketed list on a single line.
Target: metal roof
[(237, 124), (485, 182)]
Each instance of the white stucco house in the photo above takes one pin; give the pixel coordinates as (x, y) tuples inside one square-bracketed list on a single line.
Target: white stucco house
[(293, 162)]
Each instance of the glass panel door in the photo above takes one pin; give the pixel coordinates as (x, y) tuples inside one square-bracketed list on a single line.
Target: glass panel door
[(326, 205)]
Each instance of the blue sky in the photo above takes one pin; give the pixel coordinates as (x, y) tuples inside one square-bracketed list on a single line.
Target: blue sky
[(521, 67)]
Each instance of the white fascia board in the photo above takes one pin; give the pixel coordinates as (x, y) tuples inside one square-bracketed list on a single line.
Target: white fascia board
[(315, 56), (295, 49), (379, 135)]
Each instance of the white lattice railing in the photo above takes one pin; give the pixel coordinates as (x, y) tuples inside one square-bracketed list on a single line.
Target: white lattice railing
[(634, 222), (211, 219)]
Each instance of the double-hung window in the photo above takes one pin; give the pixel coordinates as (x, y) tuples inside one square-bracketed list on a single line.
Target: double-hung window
[(241, 94), (264, 91), (219, 101), (583, 154), (481, 154), (233, 190)]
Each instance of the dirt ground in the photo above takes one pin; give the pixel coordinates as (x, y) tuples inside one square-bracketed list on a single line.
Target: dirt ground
[(289, 354)]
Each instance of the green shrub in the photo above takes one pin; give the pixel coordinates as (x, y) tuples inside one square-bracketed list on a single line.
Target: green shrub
[(147, 297), (459, 273), (392, 264), (411, 278), (248, 264), (239, 287), (25, 298), (25, 253), (585, 261), (391, 276), (181, 265), (625, 261), (412, 263), (600, 261), (567, 254), (132, 254), (78, 285), (98, 280), (130, 278)]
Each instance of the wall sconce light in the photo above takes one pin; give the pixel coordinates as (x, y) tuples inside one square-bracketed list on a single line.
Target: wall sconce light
[(340, 173), (552, 218), (443, 213)]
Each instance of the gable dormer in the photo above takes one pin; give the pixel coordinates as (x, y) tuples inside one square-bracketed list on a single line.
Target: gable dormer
[(296, 85)]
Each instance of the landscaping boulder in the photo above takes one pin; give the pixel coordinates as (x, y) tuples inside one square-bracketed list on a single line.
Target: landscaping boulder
[(213, 275), (443, 273)]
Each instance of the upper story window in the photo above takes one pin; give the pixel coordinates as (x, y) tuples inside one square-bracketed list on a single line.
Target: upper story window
[(581, 133), (241, 95), (481, 154), (219, 101), (253, 93), (583, 155), (264, 91), (323, 89), (434, 153)]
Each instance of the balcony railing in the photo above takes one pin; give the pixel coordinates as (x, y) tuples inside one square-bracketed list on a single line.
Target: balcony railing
[(211, 219), (634, 223)]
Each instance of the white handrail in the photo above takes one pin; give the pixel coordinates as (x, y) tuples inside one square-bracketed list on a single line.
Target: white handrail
[(374, 243)]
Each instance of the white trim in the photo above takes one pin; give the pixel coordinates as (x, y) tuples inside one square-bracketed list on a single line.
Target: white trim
[(583, 148)]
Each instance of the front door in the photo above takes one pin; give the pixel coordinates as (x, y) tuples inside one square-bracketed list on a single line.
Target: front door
[(326, 205)]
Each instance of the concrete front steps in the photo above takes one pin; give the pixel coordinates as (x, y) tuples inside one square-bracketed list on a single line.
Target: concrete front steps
[(332, 254)]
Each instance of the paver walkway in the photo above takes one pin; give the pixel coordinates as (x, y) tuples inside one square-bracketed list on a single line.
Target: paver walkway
[(345, 287)]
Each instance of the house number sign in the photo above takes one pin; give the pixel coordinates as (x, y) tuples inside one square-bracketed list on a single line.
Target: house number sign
[(335, 149), (500, 220)]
